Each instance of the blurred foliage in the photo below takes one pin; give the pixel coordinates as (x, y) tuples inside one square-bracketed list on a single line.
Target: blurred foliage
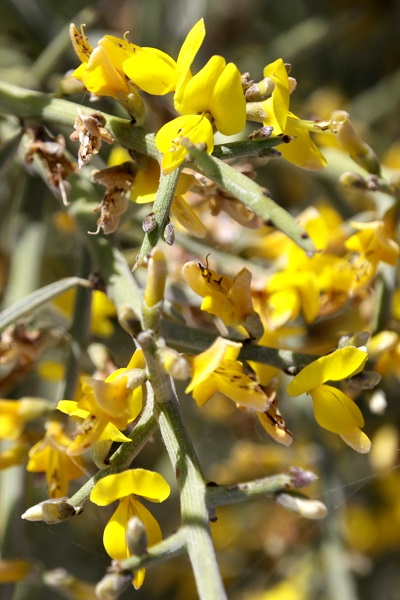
[(344, 54)]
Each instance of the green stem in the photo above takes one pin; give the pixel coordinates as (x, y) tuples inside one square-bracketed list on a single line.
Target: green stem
[(162, 204), (239, 492), (194, 510), (188, 339)]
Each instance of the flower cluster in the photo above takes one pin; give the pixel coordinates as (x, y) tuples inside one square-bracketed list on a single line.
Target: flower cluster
[(215, 98)]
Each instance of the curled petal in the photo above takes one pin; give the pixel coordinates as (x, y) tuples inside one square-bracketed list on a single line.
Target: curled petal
[(207, 362), (196, 128), (277, 106), (340, 364), (188, 51), (301, 151), (151, 70), (100, 76)]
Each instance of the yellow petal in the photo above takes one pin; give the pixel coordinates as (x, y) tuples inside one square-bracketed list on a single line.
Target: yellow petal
[(197, 128), (357, 440), (101, 77), (207, 362), (114, 536), (80, 43), (277, 105), (340, 364), (335, 411), (241, 389), (187, 217), (228, 91), (204, 392), (187, 53), (301, 151), (205, 281), (151, 70), (140, 482)]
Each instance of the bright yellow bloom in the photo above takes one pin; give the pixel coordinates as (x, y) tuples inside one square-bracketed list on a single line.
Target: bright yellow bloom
[(292, 292), (50, 456), (301, 151), (334, 410), (212, 97), (157, 73), (101, 69), (217, 370), (107, 407), (229, 299), (16, 413), (125, 487)]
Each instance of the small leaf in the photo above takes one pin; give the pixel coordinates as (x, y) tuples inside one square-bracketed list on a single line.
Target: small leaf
[(37, 299)]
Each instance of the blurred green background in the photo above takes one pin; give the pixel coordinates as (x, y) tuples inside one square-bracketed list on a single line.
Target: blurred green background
[(345, 54)]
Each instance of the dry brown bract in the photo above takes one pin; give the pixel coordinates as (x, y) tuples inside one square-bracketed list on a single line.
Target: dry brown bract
[(118, 181), (90, 132), (52, 155), (20, 349)]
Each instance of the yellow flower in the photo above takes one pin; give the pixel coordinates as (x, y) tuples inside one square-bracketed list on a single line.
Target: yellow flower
[(229, 299), (101, 69), (292, 292), (301, 151), (212, 97), (374, 243), (50, 456), (334, 410), (125, 487), (16, 413), (217, 370), (107, 407), (157, 73)]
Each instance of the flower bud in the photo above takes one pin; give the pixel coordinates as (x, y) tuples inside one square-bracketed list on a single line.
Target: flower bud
[(353, 180), (51, 511), (136, 537), (352, 143), (301, 506), (149, 223), (357, 339), (169, 234), (301, 478), (112, 585), (260, 91), (156, 278), (174, 363)]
